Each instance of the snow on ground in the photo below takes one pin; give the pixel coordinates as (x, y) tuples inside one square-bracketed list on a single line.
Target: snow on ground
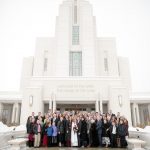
[(4, 128), (146, 129)]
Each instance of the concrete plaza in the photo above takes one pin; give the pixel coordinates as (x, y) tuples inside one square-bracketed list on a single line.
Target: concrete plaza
[(71, 148)]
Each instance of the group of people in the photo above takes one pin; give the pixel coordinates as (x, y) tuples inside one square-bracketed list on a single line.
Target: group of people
[(77, 129)]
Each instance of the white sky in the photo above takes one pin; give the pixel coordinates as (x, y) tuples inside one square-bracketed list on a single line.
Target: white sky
[(21, 21)]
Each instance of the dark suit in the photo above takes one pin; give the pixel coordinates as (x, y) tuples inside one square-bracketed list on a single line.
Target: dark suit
[(83, 134), (79, 131), (113, 137), (99, 131)]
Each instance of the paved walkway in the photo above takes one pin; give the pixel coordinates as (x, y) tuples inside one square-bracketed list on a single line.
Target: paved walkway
[(65, 148)]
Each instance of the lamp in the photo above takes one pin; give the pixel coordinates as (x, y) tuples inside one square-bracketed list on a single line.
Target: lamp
[(120, 100), (30, 100)]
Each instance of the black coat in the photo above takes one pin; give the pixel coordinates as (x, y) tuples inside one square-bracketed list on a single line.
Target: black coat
[(79, 126), (61, 127), (99, 127), (83, 133), (122, 131), (111, 129), (56, 120), (68, 130), (29, 127), (44, 129), (35, 128), (105, 130), (93, 135)]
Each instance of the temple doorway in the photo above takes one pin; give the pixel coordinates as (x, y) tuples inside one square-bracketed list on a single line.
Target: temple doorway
[(76, 107)]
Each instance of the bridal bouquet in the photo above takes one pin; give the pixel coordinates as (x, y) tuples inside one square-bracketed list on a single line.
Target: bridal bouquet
[(75, 128)]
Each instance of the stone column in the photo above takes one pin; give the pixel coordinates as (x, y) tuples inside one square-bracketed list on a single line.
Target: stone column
[(134, 114), (1, 106), (149, 109), (1, 110), (17, 113), (50, 105), (137, 114), (101, 106), (96, 106), (54, 105), (13, 114), (53, 97)]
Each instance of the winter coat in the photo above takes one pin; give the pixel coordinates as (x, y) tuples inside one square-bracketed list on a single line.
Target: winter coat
[(49, 131), (30, 127), (105, 130), (61, 127), (35, 128), (68, 130), (83, 133), (93, 135), (99, 127), (122, 130)]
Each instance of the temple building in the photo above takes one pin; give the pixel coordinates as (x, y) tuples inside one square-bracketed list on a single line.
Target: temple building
[(75, 70)]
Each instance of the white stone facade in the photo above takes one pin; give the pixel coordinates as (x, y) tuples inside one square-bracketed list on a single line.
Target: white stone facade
[(105, 77)]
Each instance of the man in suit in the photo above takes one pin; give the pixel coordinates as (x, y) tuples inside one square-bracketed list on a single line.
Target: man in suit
[(61, 131), (113, 133), (99, 129), (79, 130)]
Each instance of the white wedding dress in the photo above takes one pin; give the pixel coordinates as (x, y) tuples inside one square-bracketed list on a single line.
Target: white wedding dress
[(74, 139)]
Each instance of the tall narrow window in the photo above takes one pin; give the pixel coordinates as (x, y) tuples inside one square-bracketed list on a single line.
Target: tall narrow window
[(45, 60), (105, 61), (75, 12), (106, 64), (75, 68), (75, 35), (45, 64)]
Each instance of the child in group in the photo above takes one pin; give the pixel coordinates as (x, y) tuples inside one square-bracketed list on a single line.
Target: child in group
[(49, 131)]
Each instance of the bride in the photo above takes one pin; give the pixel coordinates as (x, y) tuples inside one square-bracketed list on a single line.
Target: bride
[(74, 130)]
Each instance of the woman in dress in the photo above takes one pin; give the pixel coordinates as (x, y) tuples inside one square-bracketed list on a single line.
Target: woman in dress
[(45, 134), (74, 130)]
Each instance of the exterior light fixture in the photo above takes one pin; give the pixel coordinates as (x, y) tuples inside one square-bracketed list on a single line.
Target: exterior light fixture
[(120, 100), (30, 100)]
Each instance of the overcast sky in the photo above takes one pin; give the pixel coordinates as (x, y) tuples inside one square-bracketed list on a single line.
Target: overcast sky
[(21, 21)]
